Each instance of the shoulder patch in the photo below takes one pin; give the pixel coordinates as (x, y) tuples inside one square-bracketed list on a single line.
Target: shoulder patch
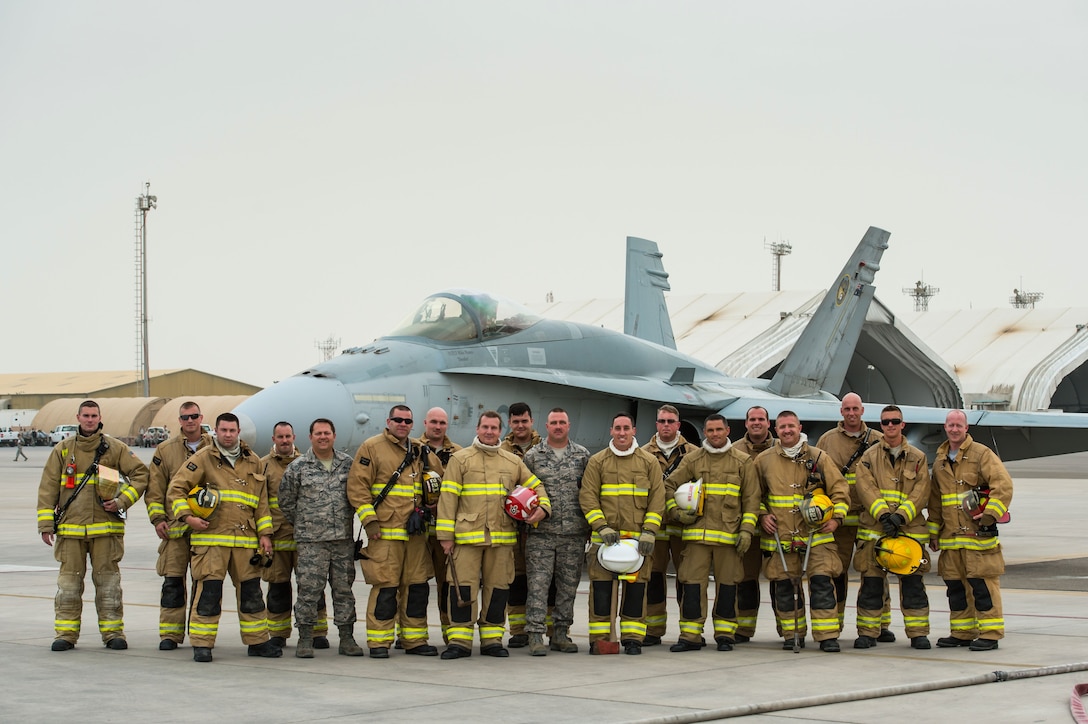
[(364, 460), (191, 466), (156, 460)]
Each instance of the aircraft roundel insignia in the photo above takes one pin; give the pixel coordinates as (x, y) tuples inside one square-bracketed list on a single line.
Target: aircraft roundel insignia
[(840, 293)]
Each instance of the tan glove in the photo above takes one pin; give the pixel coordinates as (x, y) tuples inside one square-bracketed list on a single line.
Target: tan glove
[(744, 542), (608, 536), (646, 543)]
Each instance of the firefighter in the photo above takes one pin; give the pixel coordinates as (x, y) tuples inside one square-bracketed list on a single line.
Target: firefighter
[(965, 533), (221, 493), (669, 447), (792, 473), (757, 438), (893, 489), (438, 448), (384, 488), (91, 525), (284, 547), (173, 562), (521, 437), (716, 534), (622, 496), (846, 444), (479, 537)]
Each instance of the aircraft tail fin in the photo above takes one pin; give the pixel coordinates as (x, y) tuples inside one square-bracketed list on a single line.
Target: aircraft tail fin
[(821, 356), (645, 314)]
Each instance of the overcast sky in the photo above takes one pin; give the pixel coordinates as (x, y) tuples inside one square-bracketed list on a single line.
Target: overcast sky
[(321, 167)]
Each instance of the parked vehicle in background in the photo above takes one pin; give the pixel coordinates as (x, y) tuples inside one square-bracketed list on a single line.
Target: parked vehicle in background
[(152, 436), (8, 437), (62, 431), (205, 427)]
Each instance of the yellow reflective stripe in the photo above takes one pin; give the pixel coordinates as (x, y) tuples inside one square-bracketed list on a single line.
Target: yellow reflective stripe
[(109, 527), (783, 501), (470, 538), (226, 541), (652, 518), (908, 510), (750, 518), (721, 489), (181, 508), (156, 509), (237, 496), (483, 489), (444, 524), (969, 542), (284, 545), (710, 536), (45, 514), (614, 489), (274, 503), (594, 515), (394, 533), (450, 486)]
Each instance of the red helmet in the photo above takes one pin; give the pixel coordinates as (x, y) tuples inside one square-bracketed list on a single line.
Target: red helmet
[(521, 503)]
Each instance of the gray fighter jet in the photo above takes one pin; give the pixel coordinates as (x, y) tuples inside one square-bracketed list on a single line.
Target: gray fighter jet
[(469, 351)]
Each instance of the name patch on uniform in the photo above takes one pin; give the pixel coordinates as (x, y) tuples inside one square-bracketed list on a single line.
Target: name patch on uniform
[(364, 461), (191, 466), (156, 460)]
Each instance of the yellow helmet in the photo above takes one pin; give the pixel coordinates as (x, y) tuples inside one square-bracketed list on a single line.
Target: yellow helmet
[(432, 485), (900, 555), (202, 501), (817, 510)]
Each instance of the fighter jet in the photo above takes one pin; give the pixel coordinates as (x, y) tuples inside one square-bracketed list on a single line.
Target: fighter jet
[(468, 351)]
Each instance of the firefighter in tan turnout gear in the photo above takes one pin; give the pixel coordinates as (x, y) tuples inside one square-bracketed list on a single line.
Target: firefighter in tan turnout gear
[(669, 447), (717, 533), (622, 497), (439, 447), (846, 443), (757, 438), (796, 480), (971, 493), (173, 562), (893, 489), (221, 493), (479, 537), (80, 502), (385, 489)]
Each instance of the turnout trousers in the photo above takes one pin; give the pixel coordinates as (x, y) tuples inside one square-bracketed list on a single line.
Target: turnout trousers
[(484, 572), (105, 553), (697, 562), (602, 585), (656, 594), (397, 572), (973, 584), (913, 601), (210, 566), (172, 565), (789, 609)]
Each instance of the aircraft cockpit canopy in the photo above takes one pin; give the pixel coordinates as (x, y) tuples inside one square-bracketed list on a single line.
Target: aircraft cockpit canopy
[(462, 315)]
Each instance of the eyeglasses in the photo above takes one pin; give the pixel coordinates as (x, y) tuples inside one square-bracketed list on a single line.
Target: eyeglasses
[(892, 421), (189, 417), (667, 422), (401, 420)]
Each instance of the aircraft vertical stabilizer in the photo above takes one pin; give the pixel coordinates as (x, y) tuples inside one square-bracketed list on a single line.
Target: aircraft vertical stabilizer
[(645, 314), (821, 356)]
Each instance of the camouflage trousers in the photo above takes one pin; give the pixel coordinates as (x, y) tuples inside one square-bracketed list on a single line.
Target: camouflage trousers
[(552, 560), (318, 563)]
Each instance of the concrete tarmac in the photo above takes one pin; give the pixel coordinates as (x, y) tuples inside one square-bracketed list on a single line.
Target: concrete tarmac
[(1044, 595)]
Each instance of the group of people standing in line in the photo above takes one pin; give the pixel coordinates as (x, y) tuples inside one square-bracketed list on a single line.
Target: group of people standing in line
[(428, 508)]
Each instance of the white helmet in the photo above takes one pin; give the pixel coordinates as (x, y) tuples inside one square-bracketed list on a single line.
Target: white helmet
[(620, 558), (689, 497)]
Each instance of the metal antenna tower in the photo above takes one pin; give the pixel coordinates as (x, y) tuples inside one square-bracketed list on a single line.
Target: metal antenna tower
[(328, 347), (143, 204), (921, 293), (1021, 299), (778, 250)]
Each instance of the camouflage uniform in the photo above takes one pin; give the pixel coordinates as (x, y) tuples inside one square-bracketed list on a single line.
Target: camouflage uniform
[(315, 501), (519, 587), (556, 547), (748, 588), (284, 554)]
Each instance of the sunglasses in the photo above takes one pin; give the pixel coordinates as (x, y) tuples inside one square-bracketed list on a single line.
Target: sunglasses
[(189, 417), (667, 422), (401, 420), (892, 421)]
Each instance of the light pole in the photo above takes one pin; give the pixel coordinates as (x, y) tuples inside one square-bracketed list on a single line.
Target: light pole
[(868, 381), (144, 204)]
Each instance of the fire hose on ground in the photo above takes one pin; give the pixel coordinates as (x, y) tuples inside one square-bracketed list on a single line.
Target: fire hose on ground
[(1076, 705)]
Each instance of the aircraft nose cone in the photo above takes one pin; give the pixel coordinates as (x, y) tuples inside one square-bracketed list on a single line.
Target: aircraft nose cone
[(298, 400)]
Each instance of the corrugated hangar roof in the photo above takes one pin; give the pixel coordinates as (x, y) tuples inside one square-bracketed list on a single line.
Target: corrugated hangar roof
[(1027, 359), (1018, 359), (67, 383)]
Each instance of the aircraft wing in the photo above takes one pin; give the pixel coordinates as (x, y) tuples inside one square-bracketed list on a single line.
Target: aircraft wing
[(707, 396)]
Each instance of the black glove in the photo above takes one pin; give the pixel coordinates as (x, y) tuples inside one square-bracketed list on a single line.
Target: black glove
[(887, 522), (417, 522)]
